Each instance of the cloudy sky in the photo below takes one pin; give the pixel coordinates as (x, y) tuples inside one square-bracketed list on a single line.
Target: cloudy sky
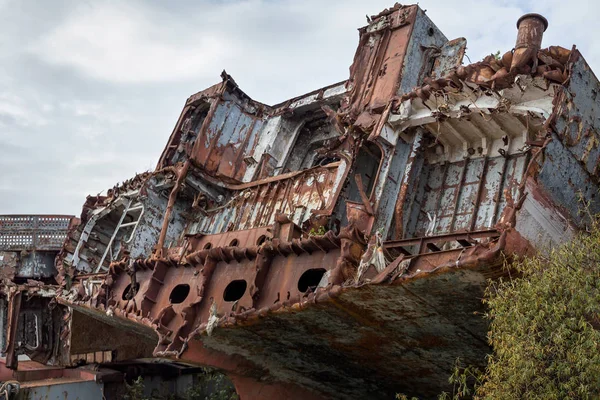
[(90, 90)]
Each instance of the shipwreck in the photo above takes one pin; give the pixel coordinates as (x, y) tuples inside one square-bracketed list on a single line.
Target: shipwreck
[(335, 245)]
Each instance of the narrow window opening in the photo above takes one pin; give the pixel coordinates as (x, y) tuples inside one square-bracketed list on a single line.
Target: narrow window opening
[(320, 161), (367, 166)]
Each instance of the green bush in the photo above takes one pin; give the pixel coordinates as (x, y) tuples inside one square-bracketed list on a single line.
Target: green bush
[(222, 388), (209, 385), (544, 326), (544, 329)]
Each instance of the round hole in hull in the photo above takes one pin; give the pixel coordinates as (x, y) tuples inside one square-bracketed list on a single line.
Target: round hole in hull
[(310, 279), (234, 243), (129, 294), (179, 293), (235, 290)]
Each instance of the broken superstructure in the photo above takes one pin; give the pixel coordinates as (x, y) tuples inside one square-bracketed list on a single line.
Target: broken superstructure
[(335, 245)]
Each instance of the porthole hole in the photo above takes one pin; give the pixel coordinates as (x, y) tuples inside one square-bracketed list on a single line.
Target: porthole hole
[(261, 239), (179, 293), (310, 279), (234, 243), (235, 290), (207, 246), (128, 293)]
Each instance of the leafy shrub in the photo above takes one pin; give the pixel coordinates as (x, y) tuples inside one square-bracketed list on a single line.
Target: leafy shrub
[(544, 326), (544, 329), (209, 385)]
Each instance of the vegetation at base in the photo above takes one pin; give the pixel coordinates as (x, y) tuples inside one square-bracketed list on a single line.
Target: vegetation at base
[(544, 329), (545, 326), (211, 385), (220, 387), (135, 390), (464, 380), (320, 231)]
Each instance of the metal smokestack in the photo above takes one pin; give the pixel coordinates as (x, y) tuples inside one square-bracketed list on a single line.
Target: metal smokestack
[(529, 39)]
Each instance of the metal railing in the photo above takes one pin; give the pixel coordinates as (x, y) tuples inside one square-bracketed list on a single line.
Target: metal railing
[(33, 232)]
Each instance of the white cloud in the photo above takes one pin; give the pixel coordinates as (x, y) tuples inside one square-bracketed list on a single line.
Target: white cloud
[(18, 110), (259, 40), (94, 110), (133, 43), (123, 43)]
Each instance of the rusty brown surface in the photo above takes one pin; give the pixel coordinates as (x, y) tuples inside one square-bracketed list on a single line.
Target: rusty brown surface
[(102, 347), (529, 40), (181, 174), (13, 309), (297, 193), (495, 73), (375, 72), (175, 138), (9, 260)]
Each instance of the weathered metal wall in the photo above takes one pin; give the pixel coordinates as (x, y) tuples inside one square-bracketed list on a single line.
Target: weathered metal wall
[(61, 389), (450, 57), (425, 44), (128, 224), (155, 203), (391, 175), (570, 168), (188, 126), (230, 137), (375, 74), (99, 235), (281, 135), (36, 264), (297, 196), (463, 196)]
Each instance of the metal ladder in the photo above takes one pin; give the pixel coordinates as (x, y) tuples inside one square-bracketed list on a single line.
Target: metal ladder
[(129, 207)]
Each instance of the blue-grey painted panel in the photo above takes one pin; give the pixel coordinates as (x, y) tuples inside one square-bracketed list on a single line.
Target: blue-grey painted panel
[(86, 390)]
